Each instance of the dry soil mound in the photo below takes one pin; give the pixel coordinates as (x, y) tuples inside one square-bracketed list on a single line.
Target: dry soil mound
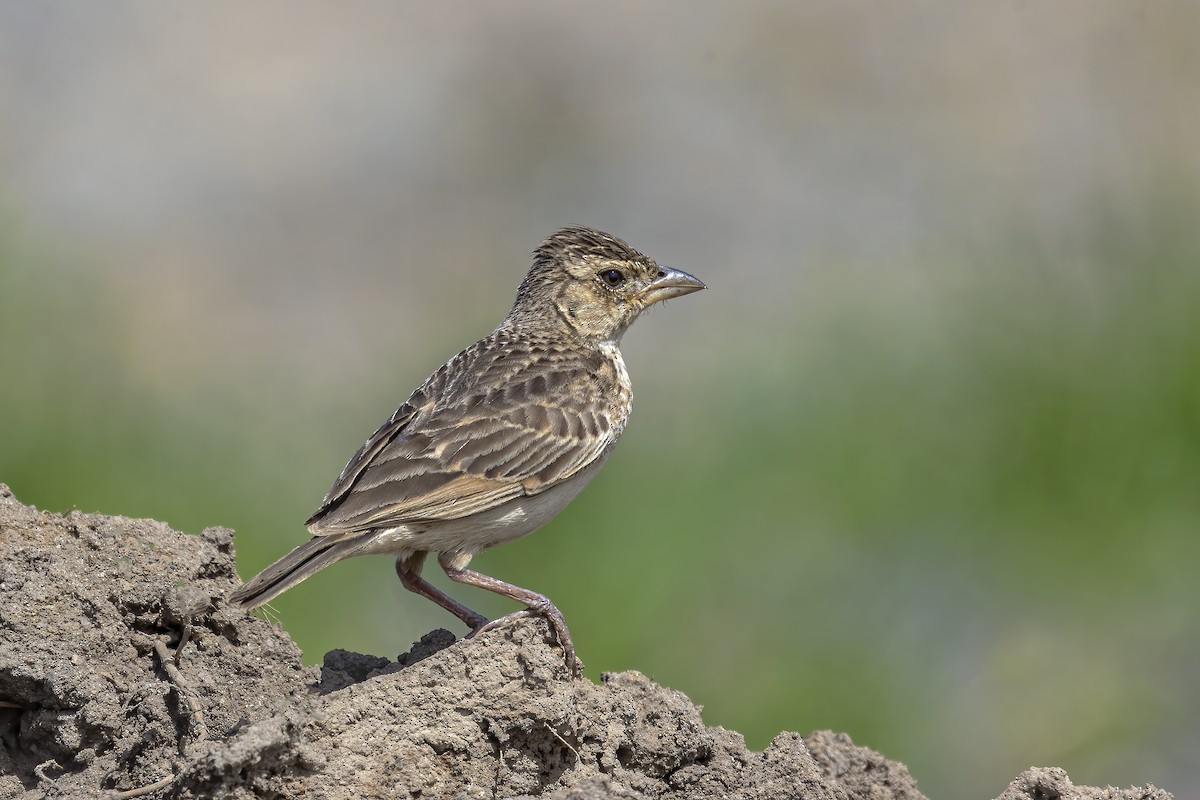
[(123, 673)]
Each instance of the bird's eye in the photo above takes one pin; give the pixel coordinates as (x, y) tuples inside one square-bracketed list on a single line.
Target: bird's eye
[(613, 277)]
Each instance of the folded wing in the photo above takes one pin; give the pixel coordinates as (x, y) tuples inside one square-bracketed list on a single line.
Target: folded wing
[(490, 426)]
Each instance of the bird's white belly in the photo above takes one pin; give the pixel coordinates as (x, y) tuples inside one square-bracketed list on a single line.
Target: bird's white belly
[(506, 522)]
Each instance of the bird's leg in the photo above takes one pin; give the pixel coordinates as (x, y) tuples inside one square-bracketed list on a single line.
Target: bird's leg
[(408, 568), (536, 604)]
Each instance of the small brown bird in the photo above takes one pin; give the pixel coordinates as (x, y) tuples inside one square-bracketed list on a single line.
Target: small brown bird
[(500, 438)]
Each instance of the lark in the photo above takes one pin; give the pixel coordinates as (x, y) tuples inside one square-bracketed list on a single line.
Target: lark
[(499, 439)]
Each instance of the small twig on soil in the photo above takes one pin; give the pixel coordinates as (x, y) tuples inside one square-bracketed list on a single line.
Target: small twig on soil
[(558, 736), (144, 790), (196, 715), (11, 704), (184, 635), (40, 770)]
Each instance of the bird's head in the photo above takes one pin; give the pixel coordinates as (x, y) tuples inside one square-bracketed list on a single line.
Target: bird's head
[(595, 283)]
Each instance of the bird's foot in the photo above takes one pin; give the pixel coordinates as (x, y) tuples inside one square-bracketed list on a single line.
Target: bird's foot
[(558, 626)]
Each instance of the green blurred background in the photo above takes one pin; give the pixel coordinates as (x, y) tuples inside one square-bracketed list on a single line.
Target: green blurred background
[(924, 464)]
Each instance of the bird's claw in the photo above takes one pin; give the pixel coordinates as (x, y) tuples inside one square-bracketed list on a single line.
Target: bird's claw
[(558, 627)]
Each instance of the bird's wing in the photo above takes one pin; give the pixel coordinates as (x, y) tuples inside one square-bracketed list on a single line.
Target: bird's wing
[(496, 422)]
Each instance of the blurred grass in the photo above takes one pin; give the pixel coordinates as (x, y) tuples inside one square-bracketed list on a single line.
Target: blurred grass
[(954, 514)]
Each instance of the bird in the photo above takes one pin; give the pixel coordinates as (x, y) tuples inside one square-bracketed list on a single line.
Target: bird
[(499, 439)]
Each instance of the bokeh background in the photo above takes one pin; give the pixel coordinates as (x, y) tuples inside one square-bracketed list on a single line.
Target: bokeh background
[(924, 463)]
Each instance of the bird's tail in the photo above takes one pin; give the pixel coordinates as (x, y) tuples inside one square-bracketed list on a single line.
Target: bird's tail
[(312, 556)]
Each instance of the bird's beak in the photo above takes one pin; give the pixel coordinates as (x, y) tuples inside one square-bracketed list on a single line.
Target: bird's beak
[(670, 283)]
